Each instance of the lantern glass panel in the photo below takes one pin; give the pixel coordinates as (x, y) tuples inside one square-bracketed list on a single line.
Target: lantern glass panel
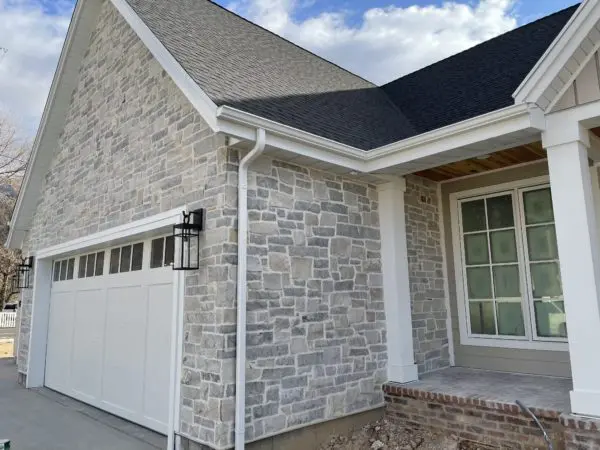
[(186, 237)]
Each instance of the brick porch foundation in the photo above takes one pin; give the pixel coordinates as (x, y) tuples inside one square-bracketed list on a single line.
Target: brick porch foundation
[(497, 424)]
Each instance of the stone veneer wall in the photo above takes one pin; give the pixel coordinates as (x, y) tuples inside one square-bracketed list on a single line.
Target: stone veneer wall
[(425, 259), (316, 321), (132, 147)]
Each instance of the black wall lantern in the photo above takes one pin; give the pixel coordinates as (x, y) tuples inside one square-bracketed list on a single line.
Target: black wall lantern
[(187, 240), (21, 279)]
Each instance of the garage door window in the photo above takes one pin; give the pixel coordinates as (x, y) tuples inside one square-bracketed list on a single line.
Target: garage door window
[(64, 269), (91, 265), (162, 252), (127, 258)]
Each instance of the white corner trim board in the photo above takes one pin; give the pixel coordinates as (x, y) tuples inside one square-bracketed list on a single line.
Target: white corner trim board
[(201, 101)]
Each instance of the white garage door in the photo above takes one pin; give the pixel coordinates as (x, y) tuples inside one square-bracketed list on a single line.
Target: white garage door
[(109, 335)]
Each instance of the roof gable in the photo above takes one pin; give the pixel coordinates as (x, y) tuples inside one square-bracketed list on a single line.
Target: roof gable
[(242, 65), (564, 60)]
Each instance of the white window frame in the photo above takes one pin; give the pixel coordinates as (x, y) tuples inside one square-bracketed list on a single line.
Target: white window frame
[(530, 340)]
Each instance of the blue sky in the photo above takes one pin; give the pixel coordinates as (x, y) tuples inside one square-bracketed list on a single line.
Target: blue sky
[(377, 39), (527, 10)]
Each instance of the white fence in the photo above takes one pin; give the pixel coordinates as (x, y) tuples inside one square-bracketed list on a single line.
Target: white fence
[(8, 319)]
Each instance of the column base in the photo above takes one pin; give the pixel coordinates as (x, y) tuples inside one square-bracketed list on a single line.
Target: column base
[(403, 374), (585, 403)]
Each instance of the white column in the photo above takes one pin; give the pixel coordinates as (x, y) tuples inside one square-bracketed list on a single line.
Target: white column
[(567, 145), (396, 288)]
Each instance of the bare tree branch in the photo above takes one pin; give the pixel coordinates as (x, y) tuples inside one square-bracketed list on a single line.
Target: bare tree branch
[(14, 154)]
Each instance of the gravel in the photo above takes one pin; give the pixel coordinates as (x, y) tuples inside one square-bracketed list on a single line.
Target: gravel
[(385, 435)]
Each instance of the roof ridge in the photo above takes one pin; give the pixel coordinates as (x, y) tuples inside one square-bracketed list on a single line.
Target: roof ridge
[(529, 24), (290, 42)]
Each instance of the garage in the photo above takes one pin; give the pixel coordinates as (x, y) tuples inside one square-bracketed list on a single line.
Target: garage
[(109, 329)]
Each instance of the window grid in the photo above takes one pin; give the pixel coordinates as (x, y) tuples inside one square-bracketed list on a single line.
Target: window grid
[(525, 282), (63, 270), (91, 265), (490, 265), (162, 252), (127, 258), (528, 263)]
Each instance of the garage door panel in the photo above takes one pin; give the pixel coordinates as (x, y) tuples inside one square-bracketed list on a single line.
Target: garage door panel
[(88, 342), (156, 376), (125, 347), (109, 337), (59, 349)]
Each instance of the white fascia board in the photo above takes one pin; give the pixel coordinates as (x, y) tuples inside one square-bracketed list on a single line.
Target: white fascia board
[(53, 117), (243, 125), (199, 99), (558, 53), (479, 129)]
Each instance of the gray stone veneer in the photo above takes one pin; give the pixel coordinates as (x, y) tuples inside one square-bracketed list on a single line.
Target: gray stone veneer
[(316, 321), (425, 259)]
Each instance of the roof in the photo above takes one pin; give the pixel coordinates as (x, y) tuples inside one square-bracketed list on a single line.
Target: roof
[(478, 80), (242, 65)]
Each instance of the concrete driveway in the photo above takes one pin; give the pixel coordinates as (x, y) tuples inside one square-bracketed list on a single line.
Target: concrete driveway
[(40, 418)]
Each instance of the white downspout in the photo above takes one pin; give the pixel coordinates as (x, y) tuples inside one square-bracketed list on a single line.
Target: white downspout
[(240, 365)]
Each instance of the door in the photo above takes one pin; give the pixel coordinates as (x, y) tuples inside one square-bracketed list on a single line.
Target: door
[(109, 335)]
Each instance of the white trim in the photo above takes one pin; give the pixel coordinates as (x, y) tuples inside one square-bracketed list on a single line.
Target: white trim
[(396, 282), (495, 341), (127, 230), (197, 97), (561, 92), (449, 324), (512, 119), (495, 123), (558, 53)]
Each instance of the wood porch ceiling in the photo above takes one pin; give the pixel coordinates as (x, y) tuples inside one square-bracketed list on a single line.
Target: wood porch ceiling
[(498, 160)]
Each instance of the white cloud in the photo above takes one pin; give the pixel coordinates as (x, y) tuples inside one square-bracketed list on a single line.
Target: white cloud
[(388, 42), (33, 39)]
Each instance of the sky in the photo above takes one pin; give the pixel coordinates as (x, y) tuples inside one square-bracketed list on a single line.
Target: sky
[(379, 40)]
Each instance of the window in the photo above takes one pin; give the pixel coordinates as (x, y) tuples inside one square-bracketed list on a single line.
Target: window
[(162, 252), (91, 265), (63, 270), (510, 268), (126, 258)]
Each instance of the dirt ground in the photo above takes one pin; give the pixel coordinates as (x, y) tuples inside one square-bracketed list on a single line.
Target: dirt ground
[(6, 348), (383, 435)]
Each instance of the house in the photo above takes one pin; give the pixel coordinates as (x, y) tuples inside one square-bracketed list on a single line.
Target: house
[(430, 244)]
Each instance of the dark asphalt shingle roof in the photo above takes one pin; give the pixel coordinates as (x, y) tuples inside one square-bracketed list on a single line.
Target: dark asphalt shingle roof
[(240, 64), (478, 80)]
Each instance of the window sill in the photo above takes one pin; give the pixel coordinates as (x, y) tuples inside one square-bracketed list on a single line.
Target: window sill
[(515, 344)]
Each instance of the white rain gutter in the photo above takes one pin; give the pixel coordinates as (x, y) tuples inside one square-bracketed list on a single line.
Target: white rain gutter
[(240, 365)]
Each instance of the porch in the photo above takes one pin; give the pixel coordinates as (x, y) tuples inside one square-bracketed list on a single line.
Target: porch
[(479, 406)]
